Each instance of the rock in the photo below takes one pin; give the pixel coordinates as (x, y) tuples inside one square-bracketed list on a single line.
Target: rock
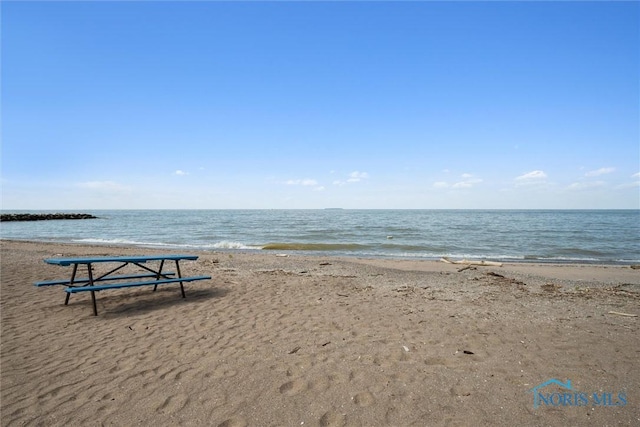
[(42, 217)]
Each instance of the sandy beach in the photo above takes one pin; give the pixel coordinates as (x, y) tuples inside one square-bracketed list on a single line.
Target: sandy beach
[(277, 340)]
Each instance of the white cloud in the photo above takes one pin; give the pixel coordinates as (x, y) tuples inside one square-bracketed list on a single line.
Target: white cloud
[(535, 179), (307, 182), (304, 182), (533, 175), (468, 182), (601, 171), (180, 173), (353, 177), (633, 184), (357, 176), (628, 185), (462, 184), (585, 185)]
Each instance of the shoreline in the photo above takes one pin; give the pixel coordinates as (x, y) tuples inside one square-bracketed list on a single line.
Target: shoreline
[(321, 254), (286, 340)]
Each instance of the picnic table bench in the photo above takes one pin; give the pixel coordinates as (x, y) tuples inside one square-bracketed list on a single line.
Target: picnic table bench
[(151, 274)]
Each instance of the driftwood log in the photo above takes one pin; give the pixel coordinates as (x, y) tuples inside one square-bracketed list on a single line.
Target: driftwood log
[(467, 262)]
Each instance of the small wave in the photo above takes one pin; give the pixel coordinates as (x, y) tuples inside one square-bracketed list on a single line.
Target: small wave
[(559, 258), (232, 245), (127, 242), (217, 245), (562, 259), (580, 252), (406, 248), (385, 251), (567, 259), (314, 247), (113, 242)]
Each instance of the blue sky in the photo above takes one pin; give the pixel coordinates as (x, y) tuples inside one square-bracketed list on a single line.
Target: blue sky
[(110, 105)]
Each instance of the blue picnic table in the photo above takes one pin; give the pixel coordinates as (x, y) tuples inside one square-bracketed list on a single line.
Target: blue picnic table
[(151, 267)]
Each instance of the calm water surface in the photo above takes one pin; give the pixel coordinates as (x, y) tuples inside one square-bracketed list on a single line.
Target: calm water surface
[(602, 236)]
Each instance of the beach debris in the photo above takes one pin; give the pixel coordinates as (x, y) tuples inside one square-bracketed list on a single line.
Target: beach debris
[(491, 273), (342, 295), (325, 263), (295, 350), (389, 237), (617, 313), (405, 290), (468, 267), (550, 287), (209, 262), (471, 262), (282, 255), (405, 348), (467, 352), (635, 266), (326, 344), (278, 271), (500, 280)]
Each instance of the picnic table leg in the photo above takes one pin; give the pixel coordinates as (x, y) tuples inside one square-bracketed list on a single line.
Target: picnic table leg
[(93, 299), (73, 277), (159, 274), (93, 294), (180, 276)]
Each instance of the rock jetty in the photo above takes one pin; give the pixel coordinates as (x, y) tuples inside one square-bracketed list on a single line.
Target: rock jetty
[(42, 217)]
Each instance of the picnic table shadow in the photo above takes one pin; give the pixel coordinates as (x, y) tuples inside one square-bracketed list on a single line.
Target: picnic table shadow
[(146, 300)]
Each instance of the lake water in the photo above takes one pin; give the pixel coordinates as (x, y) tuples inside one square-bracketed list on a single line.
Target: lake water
[(586, 236)]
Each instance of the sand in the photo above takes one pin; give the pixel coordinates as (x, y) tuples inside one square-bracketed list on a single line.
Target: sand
[(318, 341)]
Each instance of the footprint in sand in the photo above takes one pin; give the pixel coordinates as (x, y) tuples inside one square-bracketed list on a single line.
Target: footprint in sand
[(339, 377), (233, 422), (460, 390), (223, 372), (292, 387), (320, 384), (438, 361), (333, 419), (364, 399), (173, 404)]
